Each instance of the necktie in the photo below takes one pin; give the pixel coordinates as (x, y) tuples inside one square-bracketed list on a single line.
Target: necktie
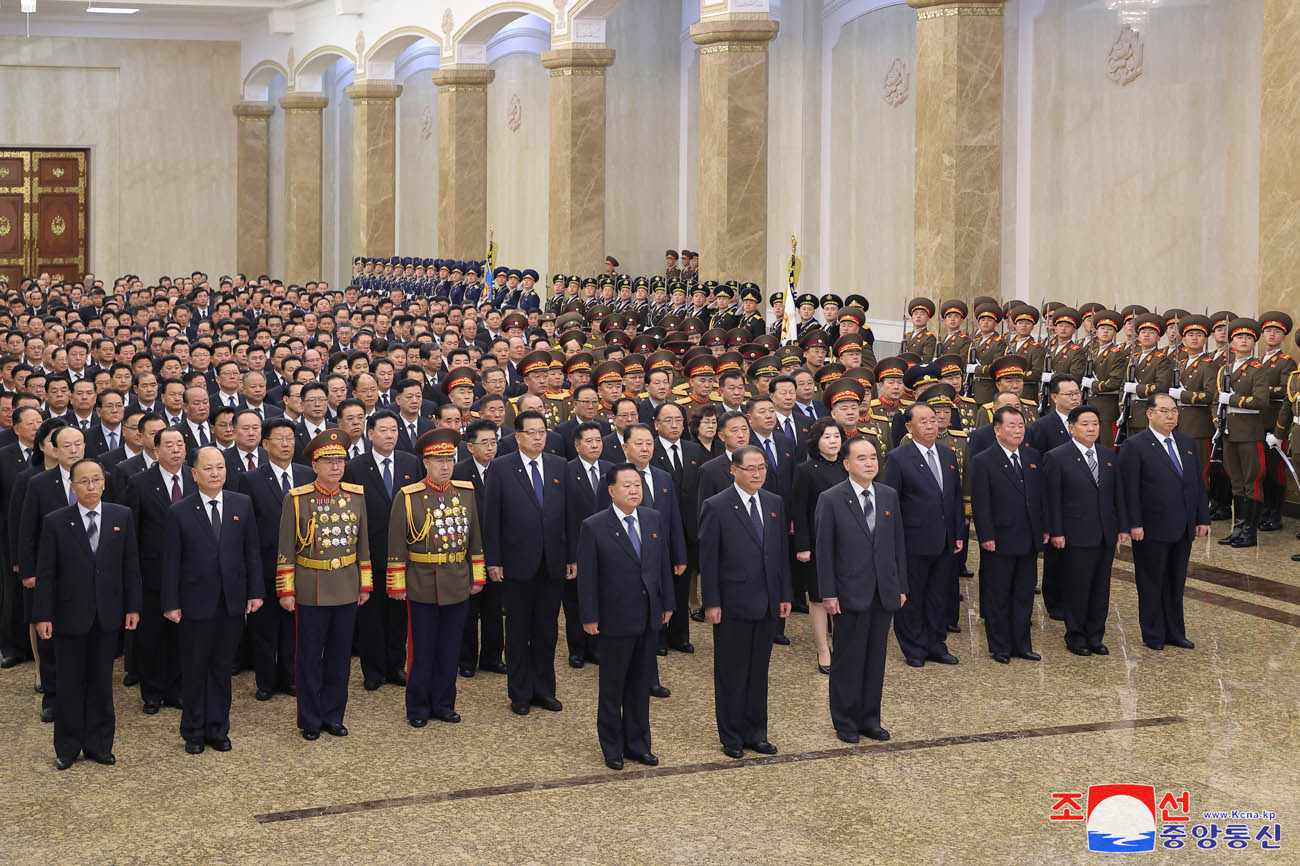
[(388, 476), (203, 435), (677, 459), (771, 455), (537, 482), (1015, 462), (646, 496), (595, 481), (754, 516), (176, 489), (258, 410), (1092, 466), (216, 521), (789, 429), (868, 510), (934, 468), (27, 455), (1173, 455), (85, 426), (632, 534), (72, 497), (252, 464), (411, 433), (92, 532), (284, 483), (233, 402)]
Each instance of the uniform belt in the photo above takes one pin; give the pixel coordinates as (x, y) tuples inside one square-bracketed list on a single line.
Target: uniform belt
[(437, 558), (338, 562), (1236, 410)]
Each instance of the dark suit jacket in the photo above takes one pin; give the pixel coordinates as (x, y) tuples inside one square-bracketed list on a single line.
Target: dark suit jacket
[(746, 576), (979, 439), (150, 502), (466, 470), (11, 465), (580, 501), (1088, 513), (197, 570), (715, 477), (568, 429), (665, 502), (97, 442), (613, 452), (45, 493), (1166, 505), (263, 489), (300, 433), (270, 409), (625, 592), (517, 532), (842, 539), (407, 469), (1006, 509), (235, 465), (75, 586), (1047, 433), (801, 426), (422, 425), (780, 479), (924, 508), (687, 481)]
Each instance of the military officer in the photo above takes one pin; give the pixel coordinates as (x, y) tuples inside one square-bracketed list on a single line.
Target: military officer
[(751, 319), (323, 572), (1009, 375), (1193, 379), (1151, 371), (987, 346), (951, 370), (920, 340), (1274, 327), (1020, 341), (1109, 368), (1242, 387), (955, 340)]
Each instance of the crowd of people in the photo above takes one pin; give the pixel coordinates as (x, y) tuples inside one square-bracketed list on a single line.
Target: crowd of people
[(424, 468)]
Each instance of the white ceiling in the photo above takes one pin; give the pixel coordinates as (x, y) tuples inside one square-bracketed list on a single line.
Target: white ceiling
[(205, 19)]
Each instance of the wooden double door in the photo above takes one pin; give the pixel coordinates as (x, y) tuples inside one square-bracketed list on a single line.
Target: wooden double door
[(44, 214)]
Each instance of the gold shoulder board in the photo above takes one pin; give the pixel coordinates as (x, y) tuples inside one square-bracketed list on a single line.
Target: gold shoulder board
[(299, 491), (468, 485), (351, 488), (413, 488)]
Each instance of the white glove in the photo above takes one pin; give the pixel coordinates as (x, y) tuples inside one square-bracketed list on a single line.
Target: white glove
[(1176, 393), (1273, 441), (1047, 376), (971, 368), (1130, 387), (1088, 381), (1224, 396)]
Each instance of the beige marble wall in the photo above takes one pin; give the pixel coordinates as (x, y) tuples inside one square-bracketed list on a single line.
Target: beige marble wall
[(958, 216), (161, 200), (374, 166), (336, 169), (275, 211), (518, 157), (462, 160), (576, 206), (733, 145), (302, 186), (1149, 192), (417, 168), (1279, 215), (253, 192)]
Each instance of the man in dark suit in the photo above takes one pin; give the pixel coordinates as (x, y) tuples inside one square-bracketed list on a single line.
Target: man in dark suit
[(715, 474), (1007, 502), (924, 474), (585, 493), (861, 592), (247, 453), (194, 426), (14, 459), (411, 418), (626, 597), (586, 407), (682, 459), (381, 624), (150, 496), (1165, 499), (1085, 516), (210, 580), (745, 585), (105, 434), (778, 449), (525, 539), (484, 606), (789, 420), (272, 627), (87, 588), (1048, 432)]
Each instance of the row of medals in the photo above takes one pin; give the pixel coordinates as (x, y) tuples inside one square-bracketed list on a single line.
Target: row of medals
[(334, 528), (452, 523)]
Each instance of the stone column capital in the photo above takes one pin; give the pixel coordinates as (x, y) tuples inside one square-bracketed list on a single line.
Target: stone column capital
[(589, 58), (944, 8), (463, 76), (260, 110), (373, 89), (733, 29), (304, 101)]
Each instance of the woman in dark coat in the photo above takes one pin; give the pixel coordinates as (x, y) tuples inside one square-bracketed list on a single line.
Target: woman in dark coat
[(822, 470)]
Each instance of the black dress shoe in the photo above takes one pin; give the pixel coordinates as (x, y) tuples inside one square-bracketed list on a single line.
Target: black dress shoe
[(733, 752), (1182, 642), (698, 613), (614, 763), (1079, 650), (398, 679), (519, 709), (659, 692), (1295, 557), (781, 640), (174, 703), (108, 759), (1002, 658), (1099, 650), (10, 661), (308, 734), (151, 708), (576, 661), (1154, 646), (1056, 615), (799, 607), (467, 672), (1029, 656), (130, 680), (334, 729), (47, 714), (848, 737), (589, 657), (262, 695), (373, 685), (291, 691), (451, 718), (965, 572), (763, 747), (38, 688), (824, 669), (915, 663), (64, 763), (221, 745), (954, 629), (493, 667), (548, 703), (195, 747), (661, 651), (944, 658), (417, 723), (876, 733), (686, 647), (649, 759)]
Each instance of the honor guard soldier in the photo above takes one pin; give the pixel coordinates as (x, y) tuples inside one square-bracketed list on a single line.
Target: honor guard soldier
[(435, 563), (920, 340), (1242, 388), (1274, 327), (1193, 380), (1284, 431), (776, 302), (890, 386), (1008, 375), (1064, 355), (987, 346), (952, 370), (1109, 368), (807, 303), (955, 340), (1151, 370), (727, 316), (831, 305), (323, 572), (1020, 341), (750, 318)]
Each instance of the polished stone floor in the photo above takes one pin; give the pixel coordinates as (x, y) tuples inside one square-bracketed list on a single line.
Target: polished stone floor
[(977, 751)]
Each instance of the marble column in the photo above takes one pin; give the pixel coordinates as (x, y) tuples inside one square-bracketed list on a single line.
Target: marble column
[(462, 160), (733, 145), (374, 166), (302, 185), (1279, 159), (576, 239), (252, 187), (958, 207)]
